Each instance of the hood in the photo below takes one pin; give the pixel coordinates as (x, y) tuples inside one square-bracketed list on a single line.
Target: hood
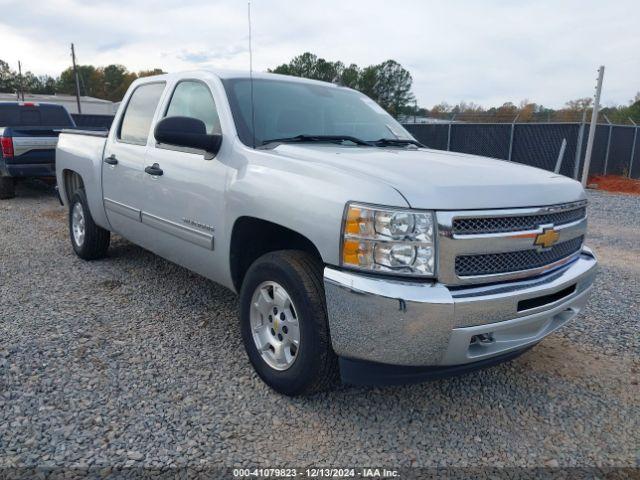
[(439, 180)]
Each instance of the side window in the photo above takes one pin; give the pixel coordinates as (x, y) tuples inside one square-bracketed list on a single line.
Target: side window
[(139, 113), (193, 99)]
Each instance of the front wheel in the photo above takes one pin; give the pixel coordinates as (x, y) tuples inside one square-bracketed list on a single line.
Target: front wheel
[(284, 323), (89, 241)]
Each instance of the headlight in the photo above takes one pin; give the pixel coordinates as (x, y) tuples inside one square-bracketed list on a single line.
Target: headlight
[(390, 240)]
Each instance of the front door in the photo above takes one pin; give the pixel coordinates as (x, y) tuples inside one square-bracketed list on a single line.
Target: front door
[(184, 189), (124, 162)]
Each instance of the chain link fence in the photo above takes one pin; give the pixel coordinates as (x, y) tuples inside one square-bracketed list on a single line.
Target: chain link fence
[(616, 149)]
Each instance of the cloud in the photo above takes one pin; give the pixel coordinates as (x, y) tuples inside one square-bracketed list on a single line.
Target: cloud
[(111, 46), (487, 52), (209, 56)]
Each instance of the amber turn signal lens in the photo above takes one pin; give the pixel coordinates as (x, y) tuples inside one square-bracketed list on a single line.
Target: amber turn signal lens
[(350, 252), (352, 225)]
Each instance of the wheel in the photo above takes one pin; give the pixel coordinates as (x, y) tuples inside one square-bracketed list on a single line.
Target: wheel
[(284, 327), (7, 188), (89, 241)]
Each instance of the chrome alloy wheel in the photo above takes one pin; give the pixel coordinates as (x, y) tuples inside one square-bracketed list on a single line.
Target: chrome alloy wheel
[(274, 325), (77, 224)]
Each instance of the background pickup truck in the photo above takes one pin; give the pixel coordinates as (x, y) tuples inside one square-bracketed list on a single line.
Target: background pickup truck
[(28, 136), (356, 251)]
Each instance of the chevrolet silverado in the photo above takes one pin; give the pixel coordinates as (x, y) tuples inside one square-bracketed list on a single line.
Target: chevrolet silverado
[(357, 252)]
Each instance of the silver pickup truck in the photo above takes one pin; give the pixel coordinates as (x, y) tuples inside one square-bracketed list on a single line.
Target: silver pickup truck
[(356, 251)]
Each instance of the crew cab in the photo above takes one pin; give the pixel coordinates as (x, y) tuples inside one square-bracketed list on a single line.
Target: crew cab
[(28, 136), (356, 251)]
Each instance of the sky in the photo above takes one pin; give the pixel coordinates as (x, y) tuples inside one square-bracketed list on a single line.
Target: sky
[(487, 52)]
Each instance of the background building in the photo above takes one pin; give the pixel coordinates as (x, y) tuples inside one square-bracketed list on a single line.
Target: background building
[(89, 105)]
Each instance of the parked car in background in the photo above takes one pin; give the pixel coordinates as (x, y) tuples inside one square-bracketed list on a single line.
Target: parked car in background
[(28, 136), (355, 250)]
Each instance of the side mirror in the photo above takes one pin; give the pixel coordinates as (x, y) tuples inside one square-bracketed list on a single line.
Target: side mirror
[(187, 132)]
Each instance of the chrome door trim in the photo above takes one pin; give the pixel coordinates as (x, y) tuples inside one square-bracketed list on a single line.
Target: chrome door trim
[(122, 209), (191, 235)]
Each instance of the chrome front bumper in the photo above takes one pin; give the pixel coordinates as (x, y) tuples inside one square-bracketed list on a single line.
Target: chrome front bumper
[(398, 322)]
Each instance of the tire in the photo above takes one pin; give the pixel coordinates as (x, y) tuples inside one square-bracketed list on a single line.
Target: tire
[(7, 188), (315, 365), (93, 244)]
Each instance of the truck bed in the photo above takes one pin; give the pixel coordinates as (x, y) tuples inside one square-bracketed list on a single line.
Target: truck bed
[(92, 133), (81, 152), (29, 134), (33, 151)]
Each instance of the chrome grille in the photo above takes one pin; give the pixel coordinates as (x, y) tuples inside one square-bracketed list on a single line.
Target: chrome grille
[(483, 246), (493, 263), (466, 226)]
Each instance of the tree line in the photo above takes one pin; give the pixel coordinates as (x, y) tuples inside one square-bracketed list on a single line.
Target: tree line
[(109, 83), (526, 111), (388, 83)]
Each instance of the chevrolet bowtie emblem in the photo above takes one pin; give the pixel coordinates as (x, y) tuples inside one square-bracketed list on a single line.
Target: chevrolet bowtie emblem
[(547, 238)]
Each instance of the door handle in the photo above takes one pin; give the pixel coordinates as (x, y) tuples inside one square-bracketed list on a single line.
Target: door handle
[(154, 170), (111, 160)]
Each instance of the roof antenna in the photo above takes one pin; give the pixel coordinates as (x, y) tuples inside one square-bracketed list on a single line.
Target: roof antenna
[(253, 115)]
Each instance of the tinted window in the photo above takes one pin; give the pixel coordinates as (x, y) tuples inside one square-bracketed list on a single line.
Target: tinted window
[(139, 113), (286, 108), (193, 99), (16, 115)]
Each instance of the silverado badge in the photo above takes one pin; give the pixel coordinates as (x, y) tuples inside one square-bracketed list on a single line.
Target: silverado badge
[(547, 238)]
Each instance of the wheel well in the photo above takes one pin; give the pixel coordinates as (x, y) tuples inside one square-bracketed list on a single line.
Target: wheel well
[(72, 182), (252, 237)]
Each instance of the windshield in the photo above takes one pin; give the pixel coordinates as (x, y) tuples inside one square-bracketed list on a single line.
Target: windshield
[(288, 108)]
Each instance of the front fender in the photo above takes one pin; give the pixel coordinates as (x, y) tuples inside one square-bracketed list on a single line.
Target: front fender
[(307, 199)]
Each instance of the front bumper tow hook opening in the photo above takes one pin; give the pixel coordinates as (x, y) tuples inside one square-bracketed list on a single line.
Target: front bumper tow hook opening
[(483, 339)]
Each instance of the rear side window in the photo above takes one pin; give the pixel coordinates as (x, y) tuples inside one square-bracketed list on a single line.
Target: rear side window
[(193, 99), (139, 113), (16, 115)]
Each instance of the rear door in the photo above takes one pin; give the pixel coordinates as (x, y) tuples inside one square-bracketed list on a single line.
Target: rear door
[(184, 205), (124, 162)]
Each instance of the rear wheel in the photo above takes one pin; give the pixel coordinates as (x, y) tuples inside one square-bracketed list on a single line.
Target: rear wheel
[(284, 323), (89, 241), (7, 188)]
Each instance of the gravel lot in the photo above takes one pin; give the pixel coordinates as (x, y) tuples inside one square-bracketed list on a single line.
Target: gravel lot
[(132, 360)]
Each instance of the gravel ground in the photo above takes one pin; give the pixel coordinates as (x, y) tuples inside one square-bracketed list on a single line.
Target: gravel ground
[(132, 360)]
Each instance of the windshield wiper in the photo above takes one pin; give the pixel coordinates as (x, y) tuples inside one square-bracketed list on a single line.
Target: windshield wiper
[(384, 142), (318, 139)]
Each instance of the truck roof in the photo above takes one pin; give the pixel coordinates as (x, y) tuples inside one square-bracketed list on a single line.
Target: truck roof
[(34, 114), (241, 74), (30, 104)]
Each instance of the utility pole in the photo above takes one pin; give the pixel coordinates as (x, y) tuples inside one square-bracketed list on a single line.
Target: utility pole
[(592, 128), (576, 160), (20, 89), (633, 145), (415, 110), (75, 71)]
